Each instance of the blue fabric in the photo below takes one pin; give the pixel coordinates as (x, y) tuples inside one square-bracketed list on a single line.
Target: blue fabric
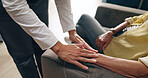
[(144, 5), (89, 29), (128, 3)]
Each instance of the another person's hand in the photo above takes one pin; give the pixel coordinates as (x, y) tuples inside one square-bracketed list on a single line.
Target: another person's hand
[(73, 36), (74, 54), (103, 40)]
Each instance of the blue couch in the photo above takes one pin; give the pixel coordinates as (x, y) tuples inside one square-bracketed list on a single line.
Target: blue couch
[(139, 4)]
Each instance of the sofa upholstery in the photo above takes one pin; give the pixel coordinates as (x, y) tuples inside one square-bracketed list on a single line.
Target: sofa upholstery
[(54, 67), (109, 15)]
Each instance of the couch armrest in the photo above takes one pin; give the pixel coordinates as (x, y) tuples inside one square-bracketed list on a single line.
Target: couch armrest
[(52, 66), (110, 15)]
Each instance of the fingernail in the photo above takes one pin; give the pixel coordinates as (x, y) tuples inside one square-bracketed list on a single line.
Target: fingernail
[(86, 68), (94, 52), (94, 60), (96, 55)]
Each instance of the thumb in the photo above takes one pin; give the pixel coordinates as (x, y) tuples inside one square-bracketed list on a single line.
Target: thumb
[(89, 48), (104, 46)]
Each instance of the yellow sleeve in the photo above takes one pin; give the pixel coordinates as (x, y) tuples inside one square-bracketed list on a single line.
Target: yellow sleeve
[(137, 20), (131, 19), (144, 60)]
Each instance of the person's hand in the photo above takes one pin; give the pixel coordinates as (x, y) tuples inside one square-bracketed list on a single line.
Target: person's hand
[(74, 37), (74, 54), (103, 40)]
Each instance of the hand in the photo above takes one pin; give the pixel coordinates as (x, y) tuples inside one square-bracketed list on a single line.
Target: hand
[(103, 40), (73, 54), (73, 36)]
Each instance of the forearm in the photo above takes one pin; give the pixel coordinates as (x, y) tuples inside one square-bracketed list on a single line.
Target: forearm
[(125, 67), (26, 18), (119, 27)]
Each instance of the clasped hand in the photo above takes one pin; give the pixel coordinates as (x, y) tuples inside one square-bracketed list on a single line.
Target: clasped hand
[(103, 40)]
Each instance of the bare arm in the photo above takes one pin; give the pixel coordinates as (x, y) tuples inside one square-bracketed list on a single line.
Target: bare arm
[(121, 26), (125, 67), (103, 40)]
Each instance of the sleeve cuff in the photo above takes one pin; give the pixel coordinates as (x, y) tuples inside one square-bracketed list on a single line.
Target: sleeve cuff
[(129, 20), (144, 60), (68, 29)]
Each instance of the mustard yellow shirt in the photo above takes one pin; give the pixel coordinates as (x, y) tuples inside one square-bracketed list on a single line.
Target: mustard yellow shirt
[(137, 20), (132, 44)]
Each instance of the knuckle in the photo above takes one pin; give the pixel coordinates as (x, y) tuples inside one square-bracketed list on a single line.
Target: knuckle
[(84, 60), (85, 54), (99, 39), (94, 55), (91, 55), (88, 60), (64, 58), (102, 40), (76, 58), (79, 49), (72, 57), (79, 53)]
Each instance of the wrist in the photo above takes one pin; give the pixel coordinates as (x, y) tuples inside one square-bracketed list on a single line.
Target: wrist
[(72, 32), (57, 47), (112, 31)]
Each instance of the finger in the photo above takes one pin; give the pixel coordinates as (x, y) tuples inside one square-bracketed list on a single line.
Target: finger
[(86, 51), (77, 39), (87, 60), (81, 45), (86, 45), (105, 45), (89, 55), (89, 48), (98, 42), (100, 46), (79, 65)]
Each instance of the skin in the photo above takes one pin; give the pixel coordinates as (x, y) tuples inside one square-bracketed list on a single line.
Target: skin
[(73, 36), (103, 40), (74, 53), (130, 68)]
